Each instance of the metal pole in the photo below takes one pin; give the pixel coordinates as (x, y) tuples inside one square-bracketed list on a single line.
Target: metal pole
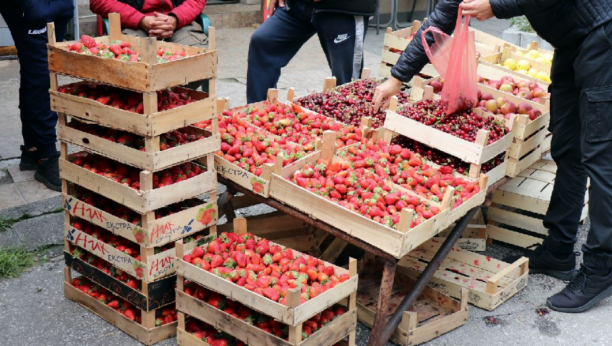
[(425, 276)]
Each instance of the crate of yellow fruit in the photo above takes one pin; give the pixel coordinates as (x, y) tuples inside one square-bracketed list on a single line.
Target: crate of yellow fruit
[(530, 64)]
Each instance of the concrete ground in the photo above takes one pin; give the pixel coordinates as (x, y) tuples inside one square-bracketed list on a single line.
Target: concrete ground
[(34, 311)]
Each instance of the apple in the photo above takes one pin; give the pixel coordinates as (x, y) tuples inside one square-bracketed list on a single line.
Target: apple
[(534, 114), (494, 84), (507, 79), (509, 115), (485, 96), (482, 103), (538, 92), (491, 105), (524, 95), (437, 86), (523, 108), (536, 99), (508, 107), (480, 79), (501, 101), (506, 87), (523, 84), (533, 85)]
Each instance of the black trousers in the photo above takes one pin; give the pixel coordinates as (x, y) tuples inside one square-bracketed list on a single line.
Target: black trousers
[(277, 41), (581, 123), (37, 120)]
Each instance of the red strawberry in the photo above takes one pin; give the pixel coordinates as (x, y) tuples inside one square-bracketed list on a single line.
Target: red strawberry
[(216, 261), (271, 293), (198, 251)]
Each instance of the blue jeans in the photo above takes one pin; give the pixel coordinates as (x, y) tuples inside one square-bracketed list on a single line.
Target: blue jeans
[(277, 41), (37, 119)]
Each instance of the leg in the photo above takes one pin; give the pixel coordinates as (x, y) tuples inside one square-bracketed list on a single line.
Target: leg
[(382, 307), (273, 45), (593, 282), (192, 35), (567, 198), (342, 37)]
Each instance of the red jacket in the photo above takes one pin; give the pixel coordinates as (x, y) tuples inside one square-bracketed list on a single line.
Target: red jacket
[(186, 13)]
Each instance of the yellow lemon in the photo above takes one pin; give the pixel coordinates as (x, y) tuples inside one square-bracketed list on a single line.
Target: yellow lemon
[(542, 75), (510, 63), (533, 72), (523, 65), (519, 53)]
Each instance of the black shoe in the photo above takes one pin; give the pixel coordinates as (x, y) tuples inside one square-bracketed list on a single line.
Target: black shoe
[(587, 289), (543, 261), (48, 173), (29, 160)]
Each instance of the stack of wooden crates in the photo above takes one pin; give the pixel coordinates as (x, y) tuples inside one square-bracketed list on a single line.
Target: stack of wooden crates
[(154, 267)]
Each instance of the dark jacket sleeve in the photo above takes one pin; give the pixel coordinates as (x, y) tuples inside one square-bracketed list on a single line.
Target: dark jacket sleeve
[(512, 8), (412, 61)]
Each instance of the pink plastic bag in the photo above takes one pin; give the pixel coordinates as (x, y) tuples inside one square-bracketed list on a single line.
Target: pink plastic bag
[(455, 59)]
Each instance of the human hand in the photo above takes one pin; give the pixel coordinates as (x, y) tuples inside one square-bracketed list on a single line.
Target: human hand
[(146, 23), (272, 6), (163, 27), (384, 91), (479, 9)]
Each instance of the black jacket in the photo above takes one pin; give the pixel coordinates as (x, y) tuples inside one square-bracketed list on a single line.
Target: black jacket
[(352, 7), (560, 22)]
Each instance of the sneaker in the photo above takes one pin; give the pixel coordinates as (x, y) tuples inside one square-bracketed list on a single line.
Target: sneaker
[(48, 173), (29, 160), (583, 292), (543, 261)]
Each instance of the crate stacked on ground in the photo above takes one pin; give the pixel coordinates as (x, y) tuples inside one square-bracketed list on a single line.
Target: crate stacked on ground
[(519, 206), (265, 294), (527, 102), (476, 137), (395, 42), (131, 192)]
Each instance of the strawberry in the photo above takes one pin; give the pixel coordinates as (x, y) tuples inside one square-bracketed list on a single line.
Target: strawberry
[(216, 261), (198, 251), (271, 293)]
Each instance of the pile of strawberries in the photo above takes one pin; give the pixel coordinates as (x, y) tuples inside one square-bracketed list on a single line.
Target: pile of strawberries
[(264, 268), (464, 125), (120, 50), (409, 170), (250, 148), (443, 159), (125, 99), (349, 103), (208, 334), (130, 176), (162, 316), (296, 125), (259, 320), (167, 140), (363, 191), (106, 268)]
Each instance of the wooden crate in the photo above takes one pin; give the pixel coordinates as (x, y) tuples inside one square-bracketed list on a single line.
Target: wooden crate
[(491, 282), (146, 199), (546, 144), (477, 153), (395, 42), (292, 315), (154, 231), (146, 75), (519, 206), (395, 242), (151, 123), (147, 336), (431, 315), (331, 333), (474, 238), (152, 296), (152, 159)]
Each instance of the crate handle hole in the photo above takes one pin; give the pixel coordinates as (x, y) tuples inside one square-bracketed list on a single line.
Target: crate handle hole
[(86, 114), (85, 140)]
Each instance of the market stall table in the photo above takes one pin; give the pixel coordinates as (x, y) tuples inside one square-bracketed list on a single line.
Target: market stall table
[(382, 329)]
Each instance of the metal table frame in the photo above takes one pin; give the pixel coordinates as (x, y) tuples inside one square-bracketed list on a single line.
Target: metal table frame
[(383, 328)]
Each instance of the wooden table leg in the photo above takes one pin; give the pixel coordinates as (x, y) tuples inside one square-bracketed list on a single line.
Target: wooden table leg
[(382, 308)]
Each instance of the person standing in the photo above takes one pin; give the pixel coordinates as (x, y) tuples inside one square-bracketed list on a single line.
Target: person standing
[(27, 21), (340, 24), (581, 123)]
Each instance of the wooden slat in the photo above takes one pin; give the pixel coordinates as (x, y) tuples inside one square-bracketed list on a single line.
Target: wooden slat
[(513, 238), (517, 220)]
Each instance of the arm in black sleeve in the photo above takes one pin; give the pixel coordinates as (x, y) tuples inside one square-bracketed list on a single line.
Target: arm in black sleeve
[(413, 59), (512, 8)]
